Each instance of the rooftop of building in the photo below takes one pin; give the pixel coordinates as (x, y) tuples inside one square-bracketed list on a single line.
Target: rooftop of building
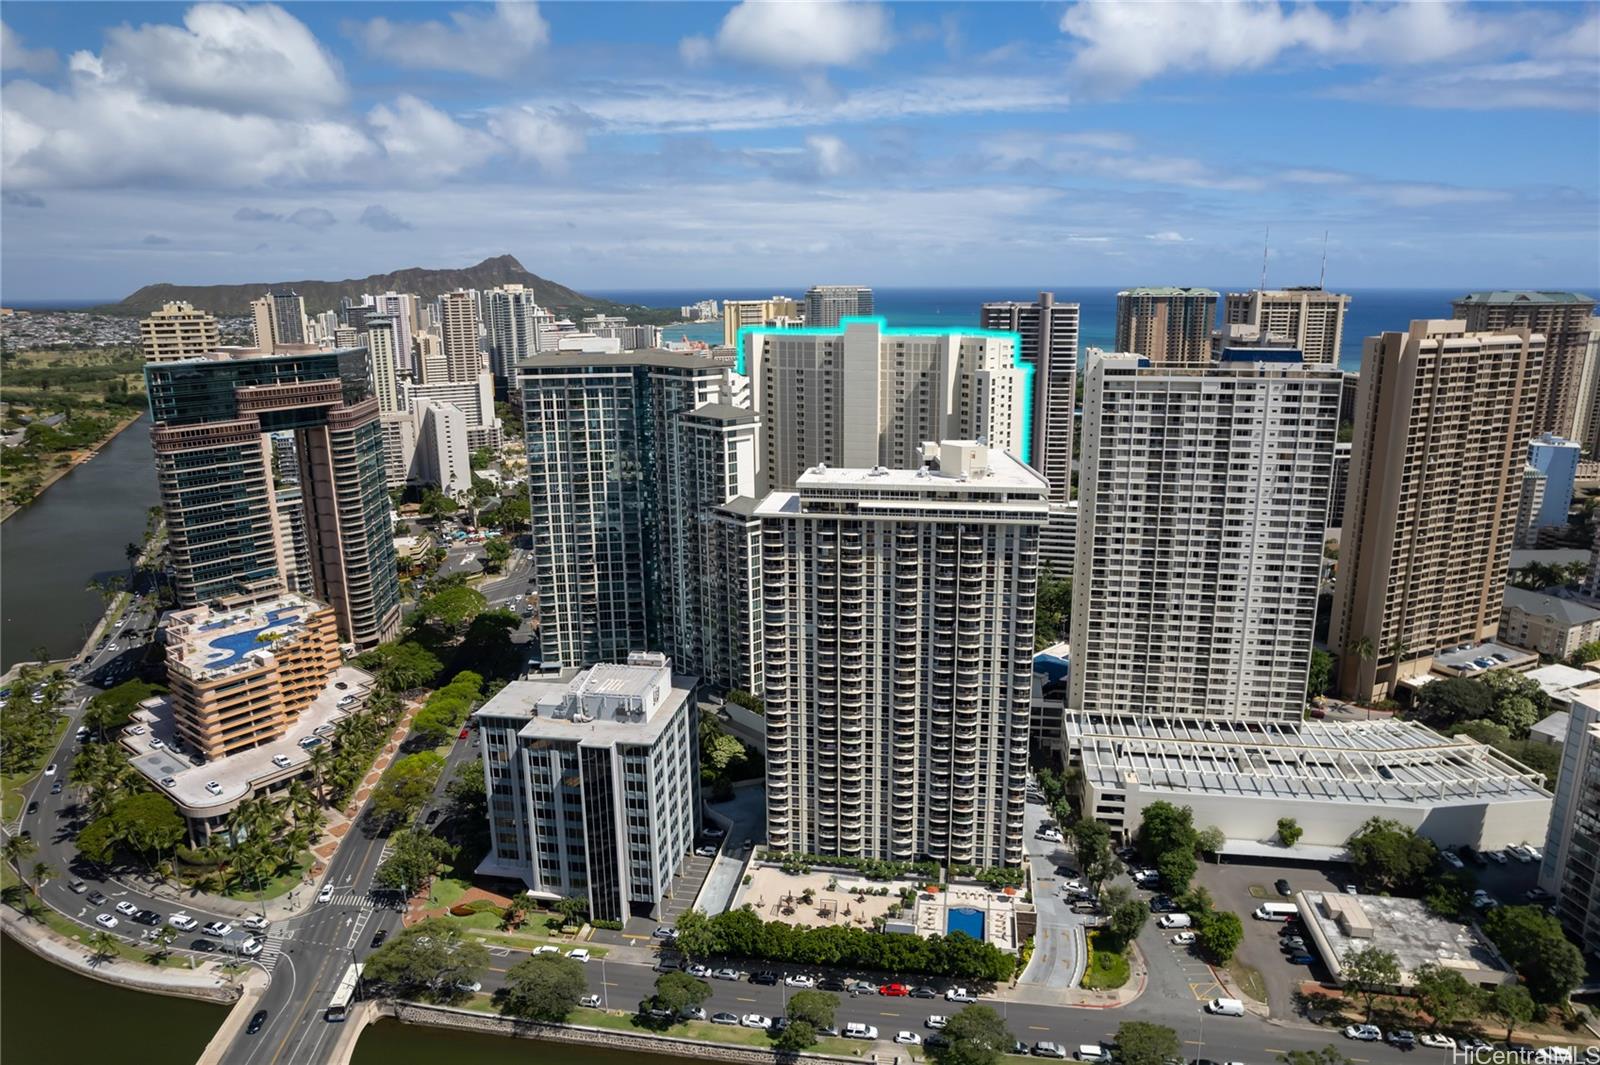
[(238, 776), (949, 464), (1167, 290), (1548, 439), (1295, 291), (1563, 682), (660, 357), (1552, 729), (209, 642), (1482, 658), (1341, 924), (1568, 612), (1524, 296), (630, 703), (1377, 763), (1555, 556), (723, 412)]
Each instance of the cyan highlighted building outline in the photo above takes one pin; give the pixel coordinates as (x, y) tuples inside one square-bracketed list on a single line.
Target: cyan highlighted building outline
[(886, 329)]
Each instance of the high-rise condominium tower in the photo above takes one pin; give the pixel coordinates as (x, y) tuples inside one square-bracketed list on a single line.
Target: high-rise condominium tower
[(1202, 509), (1168, 326), (736, 314), (385, 360), (827, 304), (602, 445), (178, 331), (278, 320), (866, 396), (458, 328), (1563, 319), (899, 610), (1443, 420), (513, 324), (1049, 335), (214, 466), (1307, 318)]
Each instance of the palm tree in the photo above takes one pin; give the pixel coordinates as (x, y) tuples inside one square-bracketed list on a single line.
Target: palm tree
[(18, 849), (42, 871), (103, 945), (320, 760), (133, 551)]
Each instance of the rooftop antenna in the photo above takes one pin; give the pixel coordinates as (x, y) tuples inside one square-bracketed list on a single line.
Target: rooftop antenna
[(1265, 242), (1322, 278)]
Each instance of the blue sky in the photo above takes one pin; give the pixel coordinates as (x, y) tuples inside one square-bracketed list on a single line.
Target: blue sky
[(619, 145)]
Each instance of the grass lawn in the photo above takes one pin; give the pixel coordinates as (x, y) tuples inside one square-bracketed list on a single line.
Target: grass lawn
[(61, 925), (706, 1032), (1260, 892), (278, 885), (446, 891), (13, 785), (523, 941), (1249, 979), (1106, 970)]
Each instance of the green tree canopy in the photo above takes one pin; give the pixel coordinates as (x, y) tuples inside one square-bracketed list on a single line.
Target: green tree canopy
[(1371, 971), (1535, 945), (1320, 674), (543, 987), (426, 962), (676, 992), (1445, 994), (1177, 868), (1390, 856), (1165, 828), (1444, 702), (796, 1037), (977, 1036), (1220, 934), (816, 1008), (453, 607), (1142, 1043), (1091, 846), (1512, 1004), (1289, 831), (405, 787), (414, 858)]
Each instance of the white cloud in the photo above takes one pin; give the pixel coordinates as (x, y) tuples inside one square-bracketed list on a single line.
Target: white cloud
[(422, 142), (542, 136), (831, 155), (15, 58), (380, 218), (1544, 84), (256, 60), (315, 219), (1107, 155), (1124, 42), (1167, 236), (495, 44), (797, 34)]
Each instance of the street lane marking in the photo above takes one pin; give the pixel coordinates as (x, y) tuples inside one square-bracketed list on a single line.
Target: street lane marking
[(737, 999), (1273, 1050), (1037, 1028)]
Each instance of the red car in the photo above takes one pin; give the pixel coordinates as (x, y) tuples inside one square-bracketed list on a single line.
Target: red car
[(894, 990), (463, 734)]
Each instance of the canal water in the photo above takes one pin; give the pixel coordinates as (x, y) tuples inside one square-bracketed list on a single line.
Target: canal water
[(76, 531), (392, 1043)]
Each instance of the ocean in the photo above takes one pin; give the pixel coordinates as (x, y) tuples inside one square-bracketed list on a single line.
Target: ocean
[(1372, 311)]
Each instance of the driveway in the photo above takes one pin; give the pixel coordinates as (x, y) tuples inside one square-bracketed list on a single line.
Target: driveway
[(1058, 944)]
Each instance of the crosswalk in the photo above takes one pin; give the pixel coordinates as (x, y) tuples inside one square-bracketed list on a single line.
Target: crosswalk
[(272, 948), (376, 900)]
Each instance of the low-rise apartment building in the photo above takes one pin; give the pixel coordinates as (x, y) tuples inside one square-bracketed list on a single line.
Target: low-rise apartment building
[(1550, 624)]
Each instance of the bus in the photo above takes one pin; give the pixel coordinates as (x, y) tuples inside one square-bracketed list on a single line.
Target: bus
[(1276, 911), (343, 994)]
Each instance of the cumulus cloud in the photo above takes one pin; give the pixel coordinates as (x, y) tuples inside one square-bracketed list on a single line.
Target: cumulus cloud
[(16, 198), (797, 34), (425, 143), (1167, 236), (313, 218), (545, 137), (1122, 43), (256, 214), (254, 60), (831, 155), (15, 58), (380, 218), (495, 44)]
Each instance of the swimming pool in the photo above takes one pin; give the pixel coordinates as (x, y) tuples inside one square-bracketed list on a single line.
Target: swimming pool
[(238, 644), (965, 919)]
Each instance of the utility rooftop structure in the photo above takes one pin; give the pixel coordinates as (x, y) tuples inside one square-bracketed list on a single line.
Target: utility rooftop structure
[(1341, 924), (1242, 776)]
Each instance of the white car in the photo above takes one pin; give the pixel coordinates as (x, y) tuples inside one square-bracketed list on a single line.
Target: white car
[(959, 994), (755, 1020), (1365, 1033), (908, 1039), (1521, 853), (326, 894), (547, 949), (1434, 1039), (213, 787), (706, 851), (50, 770), (126, 908), (1451, 860), (591, 1001), (220, 929), (800, 980), (937, 1021), (1497, 857), (250, 947), (156, 743), (136, 730), (105, 920), (578, 954), (468, 987), (1183, 939), (281, 761), (255, 922), (183, 922)]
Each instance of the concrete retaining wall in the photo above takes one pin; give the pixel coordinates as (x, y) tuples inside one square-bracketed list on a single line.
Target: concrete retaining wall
[(632, 1042)]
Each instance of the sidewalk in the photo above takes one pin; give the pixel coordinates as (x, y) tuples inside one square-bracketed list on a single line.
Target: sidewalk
[(1076, 997), (203, 982)]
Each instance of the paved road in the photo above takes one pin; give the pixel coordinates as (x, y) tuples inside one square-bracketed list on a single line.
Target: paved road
[(1057, 944)]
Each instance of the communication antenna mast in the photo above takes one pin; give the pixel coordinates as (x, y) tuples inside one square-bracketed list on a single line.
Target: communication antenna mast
[(1322, 278), (1266, 242)]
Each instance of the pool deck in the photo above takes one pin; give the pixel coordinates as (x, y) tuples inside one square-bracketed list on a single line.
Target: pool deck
[(997, 910)]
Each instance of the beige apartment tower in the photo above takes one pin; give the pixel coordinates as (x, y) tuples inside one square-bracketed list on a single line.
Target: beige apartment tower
[(1169, 326), (862, 397), (1443, 420), (178, 331), (1305, 318), (736, 314), (458, 331), (1564, 320)]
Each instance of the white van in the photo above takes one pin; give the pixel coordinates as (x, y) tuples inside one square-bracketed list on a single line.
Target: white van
[(1226, 1007), (1175, 920), (1092, 1052), (1276, 911), (856, 1030)]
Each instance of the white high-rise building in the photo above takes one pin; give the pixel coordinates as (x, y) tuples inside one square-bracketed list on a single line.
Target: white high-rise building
[(1305, 318), (385, 360), (513, 320), (443, 457), (278, 320), (864, 396), (474, 397), (899, 613), (1049, 334), (458, 329), (593, 788), (827, 305), (1202, 509), (403, 306), (178, 331)]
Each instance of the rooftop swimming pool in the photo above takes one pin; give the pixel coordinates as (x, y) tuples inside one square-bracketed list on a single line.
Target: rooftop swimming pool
[(236, 645), (965, 919)]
